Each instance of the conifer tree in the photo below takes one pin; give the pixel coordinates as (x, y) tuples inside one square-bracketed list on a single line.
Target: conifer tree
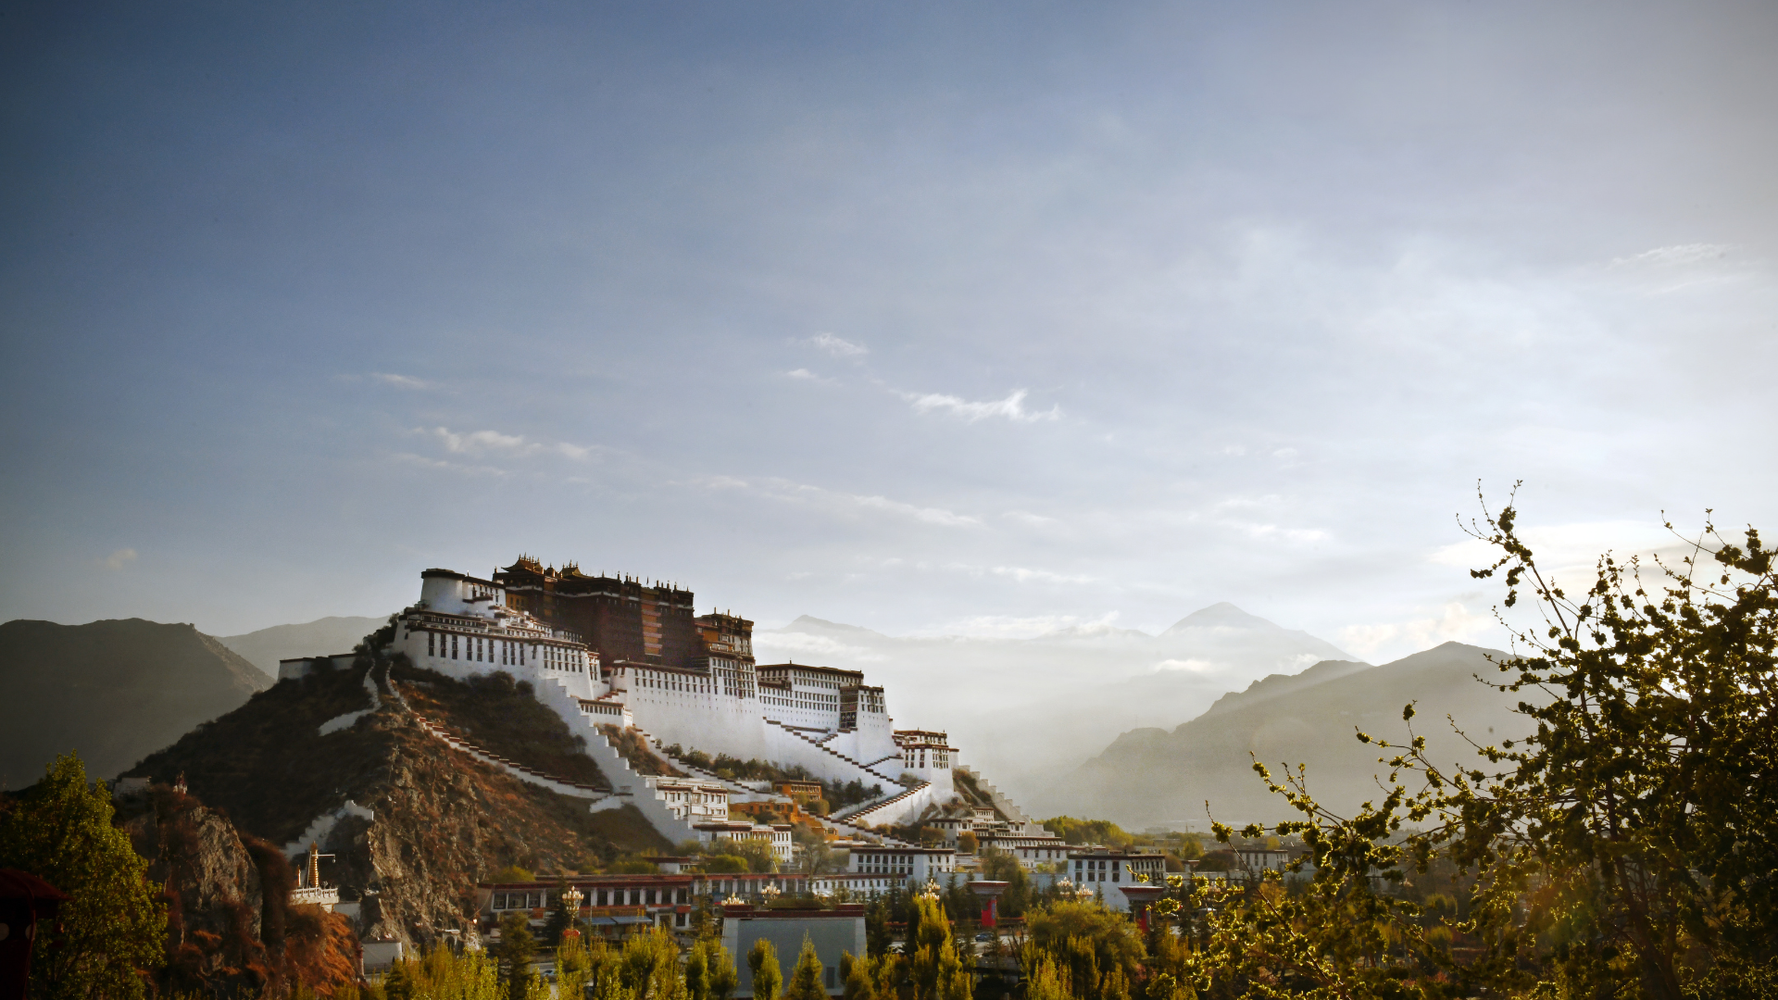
[(805, 977), (113, 924), (762, 962)]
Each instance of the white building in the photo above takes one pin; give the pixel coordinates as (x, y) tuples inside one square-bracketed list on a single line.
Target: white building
[(1105, 870), (913, 865), (825, 720), (778, 835), (1030, 849)]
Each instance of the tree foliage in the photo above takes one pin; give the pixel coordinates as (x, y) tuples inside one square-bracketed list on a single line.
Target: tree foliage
[(113, 924), (762, 963), (806, 975), (1626, 848)]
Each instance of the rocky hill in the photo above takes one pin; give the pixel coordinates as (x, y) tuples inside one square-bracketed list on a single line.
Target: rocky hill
[(321, 637), (112, 690), (231, 930), (1153, 776), (339, 758)]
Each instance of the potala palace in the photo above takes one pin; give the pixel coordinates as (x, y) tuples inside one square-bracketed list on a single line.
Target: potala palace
[(612, 655)]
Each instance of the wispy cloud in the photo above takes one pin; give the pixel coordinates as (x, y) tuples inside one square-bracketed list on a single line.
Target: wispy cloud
[(1455, 623), (1024, 627), (439, 464), (481, 443), (401, 381), (838, 347), (840, 501), (1679, 254), (1024, 575), (1011, 408), (117, 560)]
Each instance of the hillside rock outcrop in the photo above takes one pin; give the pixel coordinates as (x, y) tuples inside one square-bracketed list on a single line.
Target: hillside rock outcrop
[(439, 821)]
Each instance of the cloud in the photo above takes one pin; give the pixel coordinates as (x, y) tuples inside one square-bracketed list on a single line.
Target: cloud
[(409, 458), (1674, 256), (1012, 407), (1023, 575), (780, 489), (1027, 627), (1189, 666), (480, 443), (1029, 519), (811, 647), (930, 515), (120, 558), (836, 346), (401, 381), (1455, 624)]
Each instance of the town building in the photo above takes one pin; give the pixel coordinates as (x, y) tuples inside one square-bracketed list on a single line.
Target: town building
[(614, 905), (912, 865), (778, 835), (1103, 870), (1031, 849), (1261, 859)]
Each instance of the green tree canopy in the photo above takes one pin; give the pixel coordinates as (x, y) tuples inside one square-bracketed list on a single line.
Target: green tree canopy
[(806, 975), (1624, 849), (113, 923), (762, 962), (514, 953)]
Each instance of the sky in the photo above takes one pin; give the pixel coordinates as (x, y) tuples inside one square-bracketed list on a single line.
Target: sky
[(985, 319)]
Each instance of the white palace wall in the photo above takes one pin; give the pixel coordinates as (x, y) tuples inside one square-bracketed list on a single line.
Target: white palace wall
[(672, 706)]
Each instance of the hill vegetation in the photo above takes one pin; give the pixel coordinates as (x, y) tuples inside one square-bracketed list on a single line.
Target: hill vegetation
[(442, 821), (502, 716)]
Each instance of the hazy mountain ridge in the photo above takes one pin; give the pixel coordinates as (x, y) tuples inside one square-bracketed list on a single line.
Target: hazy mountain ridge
[(1028, 709), (1149, 776), (114, 690), (321, 637)]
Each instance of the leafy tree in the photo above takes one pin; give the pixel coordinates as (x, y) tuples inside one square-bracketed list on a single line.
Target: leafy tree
[(709, 971), (758, 854), (1625, 848), (725, 864), (762, 962), (1087, 831), (1097, 948), (574, 966), (935, 971), (513, 873), (113, 924), (724, 977), (806, 975), (650, 965), (514, 954), (968, 842), (816, 859), (560, 916), (877, 937)]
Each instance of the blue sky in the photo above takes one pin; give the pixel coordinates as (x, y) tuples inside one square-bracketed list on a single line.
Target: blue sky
[(986, 318)]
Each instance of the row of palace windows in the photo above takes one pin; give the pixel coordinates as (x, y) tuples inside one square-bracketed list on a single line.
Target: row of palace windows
[(511, 654)]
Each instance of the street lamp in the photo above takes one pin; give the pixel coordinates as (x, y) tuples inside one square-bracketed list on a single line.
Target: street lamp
[(573, 897)]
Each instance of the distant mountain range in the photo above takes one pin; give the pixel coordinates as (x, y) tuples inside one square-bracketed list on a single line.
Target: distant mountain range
[(1160, 777), (113, 690), (1029, 711), (322, 636)]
